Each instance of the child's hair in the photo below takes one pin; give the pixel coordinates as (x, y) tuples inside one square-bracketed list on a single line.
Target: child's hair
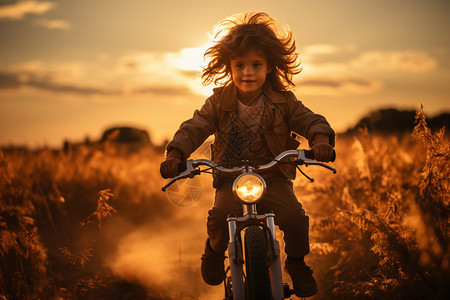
[(258, 31)]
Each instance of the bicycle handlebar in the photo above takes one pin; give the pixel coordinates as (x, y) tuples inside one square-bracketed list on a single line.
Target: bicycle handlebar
[(189, 168)]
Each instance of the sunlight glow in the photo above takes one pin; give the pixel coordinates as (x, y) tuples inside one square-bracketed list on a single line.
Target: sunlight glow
[(190, 60), (167, 69)]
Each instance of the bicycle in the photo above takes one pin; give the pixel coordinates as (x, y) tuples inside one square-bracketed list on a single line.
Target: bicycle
[(254, 270)]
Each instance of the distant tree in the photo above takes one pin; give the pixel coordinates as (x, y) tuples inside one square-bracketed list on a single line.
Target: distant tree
[(126, 135), (394, 121)]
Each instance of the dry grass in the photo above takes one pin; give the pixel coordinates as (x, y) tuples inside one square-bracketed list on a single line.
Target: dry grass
[(387, 222), (92, 223)]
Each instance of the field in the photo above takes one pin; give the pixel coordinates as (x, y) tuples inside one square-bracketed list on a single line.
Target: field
[(92, 222)]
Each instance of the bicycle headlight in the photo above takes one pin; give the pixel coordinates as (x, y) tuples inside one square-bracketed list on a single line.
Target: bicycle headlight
[(249, 188)]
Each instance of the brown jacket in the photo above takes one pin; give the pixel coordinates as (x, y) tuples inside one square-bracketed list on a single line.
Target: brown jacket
[(283, 114)]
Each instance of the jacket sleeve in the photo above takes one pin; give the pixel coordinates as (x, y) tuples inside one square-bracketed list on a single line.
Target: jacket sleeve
[(305, 122), (193, 132)]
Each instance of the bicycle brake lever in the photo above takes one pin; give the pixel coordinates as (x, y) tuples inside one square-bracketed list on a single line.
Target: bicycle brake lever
[(189, 169), (304, 174)]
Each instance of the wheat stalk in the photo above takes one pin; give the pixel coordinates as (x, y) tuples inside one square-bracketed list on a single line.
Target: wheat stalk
[(103, 210)]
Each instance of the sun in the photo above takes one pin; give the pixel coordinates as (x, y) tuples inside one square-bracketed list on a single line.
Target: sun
[(191, 61)]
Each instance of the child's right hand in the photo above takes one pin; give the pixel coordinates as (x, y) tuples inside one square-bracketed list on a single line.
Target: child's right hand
[(169, 167)]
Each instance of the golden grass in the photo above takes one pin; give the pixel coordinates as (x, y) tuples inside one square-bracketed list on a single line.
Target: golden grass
[(92, 223), (387, 222)]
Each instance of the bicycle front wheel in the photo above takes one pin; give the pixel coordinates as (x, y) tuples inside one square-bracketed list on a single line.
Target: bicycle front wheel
[(257, 264)]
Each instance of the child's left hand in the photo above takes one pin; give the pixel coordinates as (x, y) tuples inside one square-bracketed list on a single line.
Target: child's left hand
[(323, 151)]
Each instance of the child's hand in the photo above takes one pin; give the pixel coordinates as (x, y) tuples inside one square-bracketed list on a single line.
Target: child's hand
[(169, 167), (323, 151)]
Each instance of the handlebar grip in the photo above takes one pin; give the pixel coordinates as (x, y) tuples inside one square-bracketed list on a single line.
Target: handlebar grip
[(310, 154), (181, 168)]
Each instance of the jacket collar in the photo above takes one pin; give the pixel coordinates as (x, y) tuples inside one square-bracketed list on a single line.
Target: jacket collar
[(228, 96)]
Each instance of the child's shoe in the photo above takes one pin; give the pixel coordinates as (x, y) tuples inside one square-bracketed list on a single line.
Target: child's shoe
[(302, 279), (213, 267)]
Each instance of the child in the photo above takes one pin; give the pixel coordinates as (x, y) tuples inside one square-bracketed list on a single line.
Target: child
[(252, 116)]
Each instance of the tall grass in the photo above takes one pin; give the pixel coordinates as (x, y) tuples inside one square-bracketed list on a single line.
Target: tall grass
[(388, 229), (53, 209), (92, 223)]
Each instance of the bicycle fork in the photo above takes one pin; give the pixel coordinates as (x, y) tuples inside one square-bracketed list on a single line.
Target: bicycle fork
[(236, 259)]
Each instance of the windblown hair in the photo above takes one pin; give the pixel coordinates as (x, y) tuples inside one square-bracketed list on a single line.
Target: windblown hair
[(237, 35)]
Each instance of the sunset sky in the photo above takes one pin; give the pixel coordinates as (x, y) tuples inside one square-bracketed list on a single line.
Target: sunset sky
[(71, 68)]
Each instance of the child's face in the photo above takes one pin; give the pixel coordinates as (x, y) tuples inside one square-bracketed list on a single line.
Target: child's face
[(249, 74)]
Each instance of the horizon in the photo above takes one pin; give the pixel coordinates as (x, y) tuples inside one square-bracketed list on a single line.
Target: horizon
[(159, 143)]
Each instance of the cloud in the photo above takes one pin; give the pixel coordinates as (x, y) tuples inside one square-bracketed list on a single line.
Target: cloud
[(46, 82), (338, 70), (191, 73), (131, 74), (53, 24), (182, 68), (336, 83), (61, 88), (52, 77), (346, 57), (186, 61), (10, 80), (320, 49), (18, 10), (337, 86), (178, 73), (164, 90), (409, 60)]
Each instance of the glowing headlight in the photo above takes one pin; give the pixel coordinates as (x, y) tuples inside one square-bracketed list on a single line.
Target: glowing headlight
[(249, 188)]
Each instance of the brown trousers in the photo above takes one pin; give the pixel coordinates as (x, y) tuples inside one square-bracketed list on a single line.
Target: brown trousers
[(279, 198)]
